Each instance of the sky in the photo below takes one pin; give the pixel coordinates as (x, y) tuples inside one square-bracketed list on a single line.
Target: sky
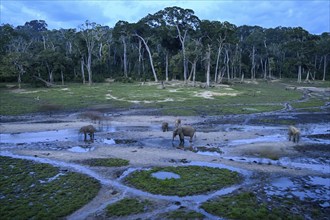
[(312, 15)]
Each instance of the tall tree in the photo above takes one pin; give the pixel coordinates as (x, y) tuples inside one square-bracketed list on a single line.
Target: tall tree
[(91, 34), (184, 21)]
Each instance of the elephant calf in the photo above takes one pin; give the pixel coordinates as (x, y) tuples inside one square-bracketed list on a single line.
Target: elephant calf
[(165, 126), (184, 131), (88, 129), (294, 133)]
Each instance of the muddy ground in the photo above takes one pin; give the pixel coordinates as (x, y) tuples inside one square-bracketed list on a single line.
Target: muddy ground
[(256, 145)]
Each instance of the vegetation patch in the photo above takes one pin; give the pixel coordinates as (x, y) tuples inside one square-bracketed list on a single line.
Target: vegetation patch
[(183, 214), (193, 180), (127, 206), (174, 100), (246, 206), (311, 103), (105, 162), (32, 190), (209, 149)]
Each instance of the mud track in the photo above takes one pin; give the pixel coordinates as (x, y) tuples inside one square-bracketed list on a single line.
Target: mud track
[(255, 144)]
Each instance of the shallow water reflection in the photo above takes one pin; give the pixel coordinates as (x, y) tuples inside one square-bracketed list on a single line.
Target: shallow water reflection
[(41, 136), (79, 149), (314, 188), (162, 175)]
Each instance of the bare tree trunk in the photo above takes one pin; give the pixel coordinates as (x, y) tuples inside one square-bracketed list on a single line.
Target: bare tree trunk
[(269, 69), (82, 70), (194, 72), (150, 56), (299, 74), (324, 66), (208, 60), (50, 73), (218, 59), (307, 76), (227, 64), (185, 62), (100, 51), (253, 66), (166, 66), (265, 69), (19, 80), (140, 57), (125, 55), (44, 41), (89, 68), (62, 77)]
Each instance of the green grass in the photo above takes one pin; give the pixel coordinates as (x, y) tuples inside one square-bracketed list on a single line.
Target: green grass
[(30, 190), (174, 100), (183, 215), (127, 206), (193, 180), (105, 162), (314, 102), (245, 206)]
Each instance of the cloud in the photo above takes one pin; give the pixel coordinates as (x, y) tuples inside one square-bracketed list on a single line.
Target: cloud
[(311, 15)]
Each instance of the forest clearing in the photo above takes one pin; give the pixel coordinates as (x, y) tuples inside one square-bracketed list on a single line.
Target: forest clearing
[(164, 114), (241, 151)]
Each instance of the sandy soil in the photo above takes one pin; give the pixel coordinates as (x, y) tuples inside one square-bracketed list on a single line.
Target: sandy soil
[(154, 148), (150, 155)]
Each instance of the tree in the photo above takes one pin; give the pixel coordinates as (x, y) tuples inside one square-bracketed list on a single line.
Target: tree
[(184, 21), (91, 33), (18, 55), (150, 56), (324, 50)]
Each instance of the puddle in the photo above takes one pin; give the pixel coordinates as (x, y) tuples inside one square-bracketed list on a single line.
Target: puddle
[(162, 175), (321, 165), (313, 188), (79, 149), (109, 141), (269, 138), (42, 136)]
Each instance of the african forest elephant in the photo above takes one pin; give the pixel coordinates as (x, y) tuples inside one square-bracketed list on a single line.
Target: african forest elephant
[(294, 133), (88, 129), (165, 126), (184, 131)]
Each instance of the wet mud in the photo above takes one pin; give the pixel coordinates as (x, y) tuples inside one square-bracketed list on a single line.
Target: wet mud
[(254, 145)]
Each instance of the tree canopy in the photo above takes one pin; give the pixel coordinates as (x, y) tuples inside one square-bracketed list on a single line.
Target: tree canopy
[(173, 43)]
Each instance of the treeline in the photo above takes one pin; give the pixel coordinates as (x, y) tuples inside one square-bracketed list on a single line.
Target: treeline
[(170, 44)]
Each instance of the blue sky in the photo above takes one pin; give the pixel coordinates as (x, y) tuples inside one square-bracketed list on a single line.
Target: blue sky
[(312, 15)]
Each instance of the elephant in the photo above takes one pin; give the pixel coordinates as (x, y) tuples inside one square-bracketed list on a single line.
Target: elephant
[(184, 131), (177, 123), (294, 133), (88, 129), (165, 126)]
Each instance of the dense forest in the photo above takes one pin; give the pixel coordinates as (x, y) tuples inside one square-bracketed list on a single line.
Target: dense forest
[(170, 44)]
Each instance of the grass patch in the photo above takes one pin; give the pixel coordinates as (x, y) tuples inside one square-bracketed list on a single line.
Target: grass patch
[(193, 180), (246, 206), (105, 162), (183, 215), (174, 100), (127, 206), (308, 104), (32, 190)]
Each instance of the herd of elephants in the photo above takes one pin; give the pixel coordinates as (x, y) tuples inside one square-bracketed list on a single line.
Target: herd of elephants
[(182, 131)]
